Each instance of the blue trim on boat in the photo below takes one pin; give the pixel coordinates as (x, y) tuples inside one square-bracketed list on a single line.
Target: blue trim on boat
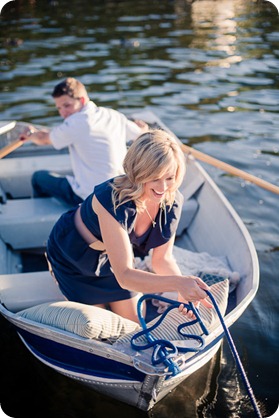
[(74, 360)]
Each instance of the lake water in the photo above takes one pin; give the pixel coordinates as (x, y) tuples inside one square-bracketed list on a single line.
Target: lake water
[(209, 69)]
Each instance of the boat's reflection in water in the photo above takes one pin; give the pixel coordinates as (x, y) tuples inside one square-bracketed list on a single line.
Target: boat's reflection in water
[(201, 394), (193, 396)]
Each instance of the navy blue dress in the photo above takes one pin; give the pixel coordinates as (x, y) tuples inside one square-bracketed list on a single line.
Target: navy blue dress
[(84, 274)]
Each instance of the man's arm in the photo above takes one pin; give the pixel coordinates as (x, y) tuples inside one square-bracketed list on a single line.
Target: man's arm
[(39, 137), (142, 125)]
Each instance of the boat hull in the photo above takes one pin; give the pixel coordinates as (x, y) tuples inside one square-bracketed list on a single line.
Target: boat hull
[(105, 373)]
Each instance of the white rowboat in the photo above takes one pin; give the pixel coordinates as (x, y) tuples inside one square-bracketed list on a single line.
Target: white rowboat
[(210, 225)]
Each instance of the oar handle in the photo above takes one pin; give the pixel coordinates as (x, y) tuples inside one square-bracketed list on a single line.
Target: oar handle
[(23, 137), (230, 169), (11, 147)]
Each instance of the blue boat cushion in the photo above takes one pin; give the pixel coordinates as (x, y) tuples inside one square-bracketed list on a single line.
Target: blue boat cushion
[(84, 320), (167, 330)]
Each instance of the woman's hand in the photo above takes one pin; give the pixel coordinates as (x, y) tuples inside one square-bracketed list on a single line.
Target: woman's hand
[(192, 291)]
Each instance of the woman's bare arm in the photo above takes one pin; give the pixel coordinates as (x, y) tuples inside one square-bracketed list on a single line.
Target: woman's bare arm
[(120, 254), (163, 261)]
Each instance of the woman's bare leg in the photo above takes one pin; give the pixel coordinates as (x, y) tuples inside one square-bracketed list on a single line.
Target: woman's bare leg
[(101, 305), (127, 308)]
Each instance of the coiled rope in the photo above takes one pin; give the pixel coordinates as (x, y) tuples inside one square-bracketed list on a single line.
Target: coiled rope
[(164, 351)]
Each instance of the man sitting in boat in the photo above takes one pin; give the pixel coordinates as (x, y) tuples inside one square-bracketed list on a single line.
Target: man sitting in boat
[(91, 247), (96, 138)]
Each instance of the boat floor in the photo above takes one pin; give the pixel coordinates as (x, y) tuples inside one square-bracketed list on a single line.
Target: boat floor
[(33, 261)]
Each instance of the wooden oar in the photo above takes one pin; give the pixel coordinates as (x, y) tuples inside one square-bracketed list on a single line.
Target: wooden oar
[(230, 169), (18, 142), (11, 147)]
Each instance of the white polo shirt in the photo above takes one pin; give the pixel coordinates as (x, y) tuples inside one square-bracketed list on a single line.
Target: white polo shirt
[(96, 137)]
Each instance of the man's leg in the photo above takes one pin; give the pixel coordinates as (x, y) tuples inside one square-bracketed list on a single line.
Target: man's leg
[(49, 184)]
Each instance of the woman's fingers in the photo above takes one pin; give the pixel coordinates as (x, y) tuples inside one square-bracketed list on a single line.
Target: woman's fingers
[(195, 290), (185, 311)]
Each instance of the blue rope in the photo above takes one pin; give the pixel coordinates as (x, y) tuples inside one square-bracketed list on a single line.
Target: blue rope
[(165, 350), (236, 357)]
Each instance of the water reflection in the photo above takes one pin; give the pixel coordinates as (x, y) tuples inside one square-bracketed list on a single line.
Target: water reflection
[(195, 396)]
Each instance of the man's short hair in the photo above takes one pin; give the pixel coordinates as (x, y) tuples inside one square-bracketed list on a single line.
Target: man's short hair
[(71, 87)]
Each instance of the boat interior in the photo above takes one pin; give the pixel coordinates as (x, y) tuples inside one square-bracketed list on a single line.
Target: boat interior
[(25, 223)]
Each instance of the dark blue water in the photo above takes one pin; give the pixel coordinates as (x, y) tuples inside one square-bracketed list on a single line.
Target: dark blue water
[(209, 69)]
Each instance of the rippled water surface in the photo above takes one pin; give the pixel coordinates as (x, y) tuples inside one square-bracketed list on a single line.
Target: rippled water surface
[(209, 69)]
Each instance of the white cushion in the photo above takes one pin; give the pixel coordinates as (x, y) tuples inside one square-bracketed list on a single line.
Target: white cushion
[(84, 320), (167, 330)]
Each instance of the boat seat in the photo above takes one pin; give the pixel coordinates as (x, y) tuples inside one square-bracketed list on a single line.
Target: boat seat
[(26, 223), (190, 204), (189, 210), (24, 290)]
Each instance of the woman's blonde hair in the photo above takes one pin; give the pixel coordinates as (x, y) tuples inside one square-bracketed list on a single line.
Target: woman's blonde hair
[(150, 156)]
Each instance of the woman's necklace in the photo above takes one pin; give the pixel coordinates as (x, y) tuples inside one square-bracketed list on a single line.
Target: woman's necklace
[(153, 222)]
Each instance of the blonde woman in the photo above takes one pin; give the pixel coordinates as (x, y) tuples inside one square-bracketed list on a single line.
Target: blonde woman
[(91, 248)]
